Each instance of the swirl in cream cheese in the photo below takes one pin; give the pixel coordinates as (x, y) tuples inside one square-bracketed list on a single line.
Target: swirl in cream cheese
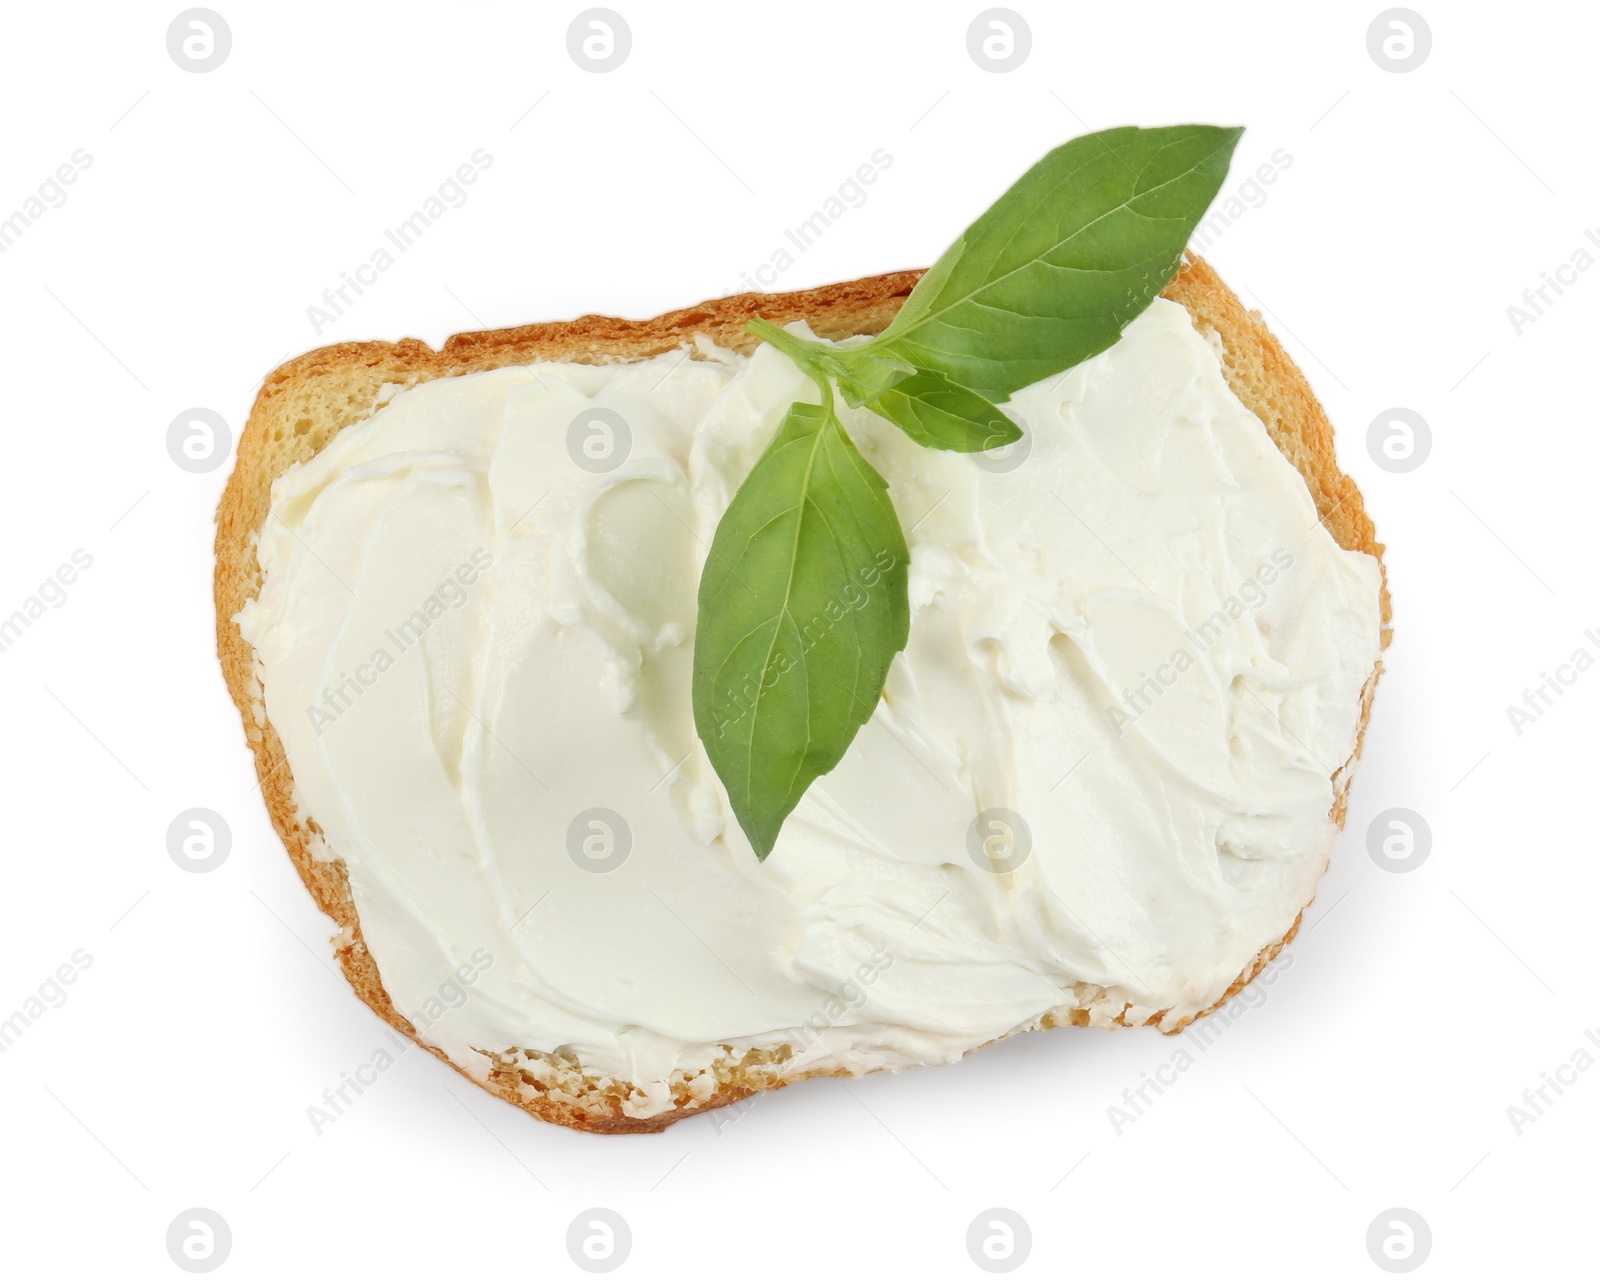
[(1138, 638)]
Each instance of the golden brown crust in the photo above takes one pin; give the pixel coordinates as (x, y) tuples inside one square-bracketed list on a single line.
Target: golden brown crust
[(307, 401)]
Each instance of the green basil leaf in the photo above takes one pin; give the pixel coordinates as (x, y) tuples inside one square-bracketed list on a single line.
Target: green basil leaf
[(803, 601), (933, 411), (802, 608), (1055, 269)]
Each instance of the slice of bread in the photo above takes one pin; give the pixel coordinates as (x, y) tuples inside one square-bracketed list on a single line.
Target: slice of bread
[(306, 402)]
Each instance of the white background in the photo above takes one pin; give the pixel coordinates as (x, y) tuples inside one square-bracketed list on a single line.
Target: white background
[(179, 270)]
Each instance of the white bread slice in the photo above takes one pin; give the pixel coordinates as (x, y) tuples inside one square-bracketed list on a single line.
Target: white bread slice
[(306, 402)]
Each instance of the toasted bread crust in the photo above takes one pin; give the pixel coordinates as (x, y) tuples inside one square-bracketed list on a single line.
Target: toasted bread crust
[(307, 401)]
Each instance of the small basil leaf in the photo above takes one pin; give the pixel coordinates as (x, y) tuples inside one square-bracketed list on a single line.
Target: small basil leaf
[(802, 608), (861, 372), (933, 411), (1055, 269), (864, 372)]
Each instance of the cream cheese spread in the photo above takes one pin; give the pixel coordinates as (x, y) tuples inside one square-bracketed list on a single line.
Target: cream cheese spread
[(1100, 776)]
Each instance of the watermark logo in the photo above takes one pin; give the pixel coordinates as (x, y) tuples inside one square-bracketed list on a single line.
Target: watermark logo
[(198, 440), (599, 40), (1399, 440), (450, 194), (1538, 299), (735, 702), (1399, 1240), (199, 1240), (999, 1240), (451, 594), (1399, 40), (999, 40), (199, 40), (1251, 194), (50, 194), (599, 1240), (50, 995), (1138, 1098), (50, 595), (851, 995), (850, 194), (1540, 699), (728, 1114), (1399, 840), (1251, 596), (999, 840), (199, 840), (599, 440), (452, 994), (1008, 457), (1537, 1099), (599, 840)]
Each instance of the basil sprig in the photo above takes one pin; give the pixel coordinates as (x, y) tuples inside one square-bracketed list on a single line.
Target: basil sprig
[(803, 601)]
